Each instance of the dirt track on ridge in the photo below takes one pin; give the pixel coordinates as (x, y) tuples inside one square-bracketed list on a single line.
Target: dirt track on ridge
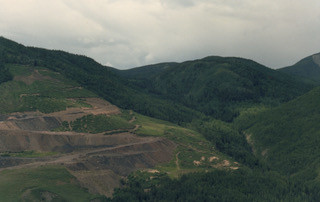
[(75, 156)]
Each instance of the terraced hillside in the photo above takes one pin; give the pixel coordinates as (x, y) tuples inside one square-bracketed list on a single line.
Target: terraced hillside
[(51, 124)]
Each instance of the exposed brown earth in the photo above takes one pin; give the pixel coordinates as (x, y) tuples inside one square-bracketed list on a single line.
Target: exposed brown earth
[(98, 161), (37, 121), (99, 106)]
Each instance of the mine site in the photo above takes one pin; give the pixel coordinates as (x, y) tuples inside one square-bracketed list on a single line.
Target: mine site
[(95, 159)]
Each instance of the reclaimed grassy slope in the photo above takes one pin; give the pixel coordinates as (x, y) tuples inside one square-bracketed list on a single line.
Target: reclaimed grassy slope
[(40, 89), (33, 89), (38, 184), (288, 138)]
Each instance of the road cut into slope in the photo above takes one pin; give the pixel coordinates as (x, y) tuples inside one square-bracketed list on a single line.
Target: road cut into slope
[(98, 161)]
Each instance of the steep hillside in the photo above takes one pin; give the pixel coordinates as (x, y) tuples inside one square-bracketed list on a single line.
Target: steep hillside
[(50, 124), (286, 141), (179, 93), (239, 143), (287, 138), (97, 78), (217, 86), (308, 68)]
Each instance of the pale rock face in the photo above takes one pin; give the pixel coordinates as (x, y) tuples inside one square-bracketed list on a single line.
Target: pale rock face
[(316, 59)]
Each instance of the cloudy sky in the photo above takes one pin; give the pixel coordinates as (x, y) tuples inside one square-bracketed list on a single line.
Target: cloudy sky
[(130, 33)]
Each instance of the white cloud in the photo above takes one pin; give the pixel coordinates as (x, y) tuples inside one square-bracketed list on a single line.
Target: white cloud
[(128, 33)]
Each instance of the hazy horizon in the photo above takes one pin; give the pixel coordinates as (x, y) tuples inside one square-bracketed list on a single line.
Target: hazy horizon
[(126, 34)]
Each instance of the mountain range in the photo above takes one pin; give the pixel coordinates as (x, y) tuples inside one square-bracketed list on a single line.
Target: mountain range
[(216, 128)]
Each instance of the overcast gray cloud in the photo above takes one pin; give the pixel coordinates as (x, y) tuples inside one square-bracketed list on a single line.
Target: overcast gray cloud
[(129, 33)]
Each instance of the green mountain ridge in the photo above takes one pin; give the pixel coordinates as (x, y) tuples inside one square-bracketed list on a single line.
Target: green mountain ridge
[(97, 78), (212, 86), (218, 86), (307, 68)]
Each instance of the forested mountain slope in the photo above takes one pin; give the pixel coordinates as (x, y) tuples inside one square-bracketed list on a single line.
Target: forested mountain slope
[(287, 138), (97, 78), (307, 68), (217, 86), (214, 86)]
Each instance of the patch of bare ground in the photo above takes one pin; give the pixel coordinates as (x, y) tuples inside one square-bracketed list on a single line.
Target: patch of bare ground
[(99, 106), (152, 171), (226, 164), (215, 163), (212, 158), (132, 119), (197, 163)]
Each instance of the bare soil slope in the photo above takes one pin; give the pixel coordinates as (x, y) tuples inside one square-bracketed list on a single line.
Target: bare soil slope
[(97, 160)]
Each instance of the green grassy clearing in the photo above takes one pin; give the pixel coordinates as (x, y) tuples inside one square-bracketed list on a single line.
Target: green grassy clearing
[(35, 184), (19, 70), (45, 94)]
